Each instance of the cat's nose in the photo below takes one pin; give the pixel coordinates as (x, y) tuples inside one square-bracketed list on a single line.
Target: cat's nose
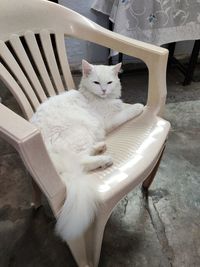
[(104, 90)]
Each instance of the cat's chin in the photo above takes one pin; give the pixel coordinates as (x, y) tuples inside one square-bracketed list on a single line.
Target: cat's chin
[(103, 96)]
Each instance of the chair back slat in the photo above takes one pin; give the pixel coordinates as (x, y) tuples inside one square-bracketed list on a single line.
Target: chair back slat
[(16, 90), (36, 53), (33, 50), (66, 72), (22, 55), (17, 71), (51, 60)]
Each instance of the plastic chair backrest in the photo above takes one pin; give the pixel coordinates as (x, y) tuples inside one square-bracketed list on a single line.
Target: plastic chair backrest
[(33, 59)]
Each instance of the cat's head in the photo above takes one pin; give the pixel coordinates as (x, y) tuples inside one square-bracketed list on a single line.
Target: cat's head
[(101, 80)]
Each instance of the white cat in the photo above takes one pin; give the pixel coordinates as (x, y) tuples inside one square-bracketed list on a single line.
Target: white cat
[(74, 125)]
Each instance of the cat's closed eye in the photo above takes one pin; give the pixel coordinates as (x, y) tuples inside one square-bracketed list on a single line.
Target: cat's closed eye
[(109, 82), (96, 82)]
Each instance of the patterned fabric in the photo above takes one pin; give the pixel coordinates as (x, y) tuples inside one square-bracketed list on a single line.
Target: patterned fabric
[(154, 21)]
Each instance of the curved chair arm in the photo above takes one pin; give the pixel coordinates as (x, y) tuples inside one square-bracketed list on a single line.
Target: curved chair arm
[(27, 140), (155, 57)]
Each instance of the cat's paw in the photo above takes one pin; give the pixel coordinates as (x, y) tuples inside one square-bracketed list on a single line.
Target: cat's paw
[(135, 110), (106, 162), (138, 108), (91, 163), (99, 148)]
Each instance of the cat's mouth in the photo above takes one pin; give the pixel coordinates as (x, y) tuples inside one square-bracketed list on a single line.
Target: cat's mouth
[(103, 95), (104, 92)]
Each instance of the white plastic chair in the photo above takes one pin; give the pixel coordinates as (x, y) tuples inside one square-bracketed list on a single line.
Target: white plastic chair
[(33, 70)]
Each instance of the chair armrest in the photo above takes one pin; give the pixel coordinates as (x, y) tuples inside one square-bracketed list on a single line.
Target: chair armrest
[(155, 57), (14, 128), (28, 141)]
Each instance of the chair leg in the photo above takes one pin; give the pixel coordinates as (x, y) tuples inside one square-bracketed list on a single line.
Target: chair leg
[(148, 181), (86, 249), (193, 60), (36, 196)]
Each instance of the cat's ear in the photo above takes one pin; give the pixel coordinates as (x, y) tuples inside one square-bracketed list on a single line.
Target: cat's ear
[(86, 68), (117, 68)]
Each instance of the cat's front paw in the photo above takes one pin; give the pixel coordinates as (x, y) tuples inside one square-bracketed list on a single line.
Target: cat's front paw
[(138, 108), (106, 162), (99, 148), (135, 110)]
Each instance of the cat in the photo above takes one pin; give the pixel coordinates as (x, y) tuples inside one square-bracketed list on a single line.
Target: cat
[(74, 125)]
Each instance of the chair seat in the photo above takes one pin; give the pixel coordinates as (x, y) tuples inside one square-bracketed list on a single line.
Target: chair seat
[(135, 148)]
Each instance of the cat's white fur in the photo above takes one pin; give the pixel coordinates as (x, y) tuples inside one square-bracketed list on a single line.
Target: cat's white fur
[(74, 125)]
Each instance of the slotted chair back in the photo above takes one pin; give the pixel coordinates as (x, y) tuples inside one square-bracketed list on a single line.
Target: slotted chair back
[(33, 59)]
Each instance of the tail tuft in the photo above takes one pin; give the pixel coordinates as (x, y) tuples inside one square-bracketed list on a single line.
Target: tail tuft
[(81, 201), (78, 210)]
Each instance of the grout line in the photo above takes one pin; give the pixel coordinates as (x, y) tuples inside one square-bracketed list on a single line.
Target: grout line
[(159, 227), (125, 204), (8, 154)]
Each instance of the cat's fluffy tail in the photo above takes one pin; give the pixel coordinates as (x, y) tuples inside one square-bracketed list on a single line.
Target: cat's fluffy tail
[(81, 201)]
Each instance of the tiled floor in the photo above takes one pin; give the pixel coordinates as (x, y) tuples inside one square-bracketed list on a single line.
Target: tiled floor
[(163, 232)]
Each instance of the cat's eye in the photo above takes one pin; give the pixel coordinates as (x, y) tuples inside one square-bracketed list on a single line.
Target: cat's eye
[(109, 82), (96, 82)]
